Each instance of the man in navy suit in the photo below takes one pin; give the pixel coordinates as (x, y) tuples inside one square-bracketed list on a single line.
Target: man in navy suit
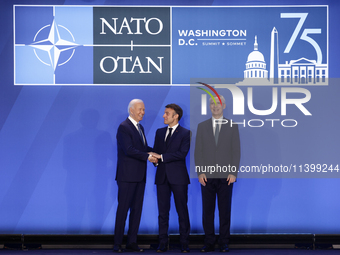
[(217, 149), (172, 145), (133, 153)]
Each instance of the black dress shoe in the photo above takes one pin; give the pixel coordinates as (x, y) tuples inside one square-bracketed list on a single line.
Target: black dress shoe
[(208, 248), (224, 248), (162, 247), (117, 248), (185, 248), (133, 247)]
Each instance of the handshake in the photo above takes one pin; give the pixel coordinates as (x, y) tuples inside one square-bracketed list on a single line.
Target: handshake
[(154, 157)]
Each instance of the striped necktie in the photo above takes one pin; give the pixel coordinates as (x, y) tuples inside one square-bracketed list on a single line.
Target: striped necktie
[(140, 133)]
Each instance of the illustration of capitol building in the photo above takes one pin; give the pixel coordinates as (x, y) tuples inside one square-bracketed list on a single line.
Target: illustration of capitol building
[(300, 71), (255, 66)]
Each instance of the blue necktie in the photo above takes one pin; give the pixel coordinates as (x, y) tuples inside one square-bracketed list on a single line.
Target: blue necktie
[(217, 132), (168, 137), (140, 133)]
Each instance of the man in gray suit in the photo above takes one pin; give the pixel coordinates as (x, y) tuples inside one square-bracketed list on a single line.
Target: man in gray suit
[(217, 145)]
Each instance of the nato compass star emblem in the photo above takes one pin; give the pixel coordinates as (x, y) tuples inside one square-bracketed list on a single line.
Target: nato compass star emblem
[(53, 45)]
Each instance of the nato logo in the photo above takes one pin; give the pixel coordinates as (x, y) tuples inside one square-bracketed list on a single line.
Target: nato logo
[(53, 45), (85, 45)]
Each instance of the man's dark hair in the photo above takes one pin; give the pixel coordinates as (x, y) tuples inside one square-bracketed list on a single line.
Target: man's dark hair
[(178, 110)]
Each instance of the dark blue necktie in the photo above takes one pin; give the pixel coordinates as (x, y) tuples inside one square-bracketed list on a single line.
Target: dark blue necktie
[(140, 133), (168, 137), (217, 132)]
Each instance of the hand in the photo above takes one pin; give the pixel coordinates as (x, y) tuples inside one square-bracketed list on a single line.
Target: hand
[(152, 159), (202, 178), (231, 179), (154, 154)]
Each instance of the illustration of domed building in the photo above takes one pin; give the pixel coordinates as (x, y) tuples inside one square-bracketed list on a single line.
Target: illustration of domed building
[(256, 65)]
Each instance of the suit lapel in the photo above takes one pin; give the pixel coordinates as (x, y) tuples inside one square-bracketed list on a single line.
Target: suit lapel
[(223, 132), (135, 131), (173, 136), (210, 132), (224, 128)]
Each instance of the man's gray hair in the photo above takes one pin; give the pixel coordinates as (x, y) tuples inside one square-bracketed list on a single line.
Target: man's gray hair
[(133, 102), (216, 98)]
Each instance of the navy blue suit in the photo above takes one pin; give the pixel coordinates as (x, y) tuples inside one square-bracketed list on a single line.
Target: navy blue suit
[(225, 154), (131, 177), (172, 176)]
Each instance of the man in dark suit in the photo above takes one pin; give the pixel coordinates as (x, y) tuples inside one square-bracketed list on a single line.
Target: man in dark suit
[(133, 153), (217, 157), (172, 145)]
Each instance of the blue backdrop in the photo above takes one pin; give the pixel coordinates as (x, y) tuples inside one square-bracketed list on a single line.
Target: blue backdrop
[(58, 144)]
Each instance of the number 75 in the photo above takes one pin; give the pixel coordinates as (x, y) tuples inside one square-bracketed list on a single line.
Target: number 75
[(304, 36)]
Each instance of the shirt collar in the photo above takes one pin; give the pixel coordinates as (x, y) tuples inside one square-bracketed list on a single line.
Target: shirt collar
[(174, 127), (212, 119), (133, 121)]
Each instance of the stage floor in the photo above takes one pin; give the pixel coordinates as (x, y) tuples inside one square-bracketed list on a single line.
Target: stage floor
[(193, 251)]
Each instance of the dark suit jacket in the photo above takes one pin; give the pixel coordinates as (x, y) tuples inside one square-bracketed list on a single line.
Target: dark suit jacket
[(225, 153), (132, 153), (173, 166)]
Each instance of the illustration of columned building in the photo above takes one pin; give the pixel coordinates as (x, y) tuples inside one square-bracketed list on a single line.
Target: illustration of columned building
[(255, 66), (302, 71)]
